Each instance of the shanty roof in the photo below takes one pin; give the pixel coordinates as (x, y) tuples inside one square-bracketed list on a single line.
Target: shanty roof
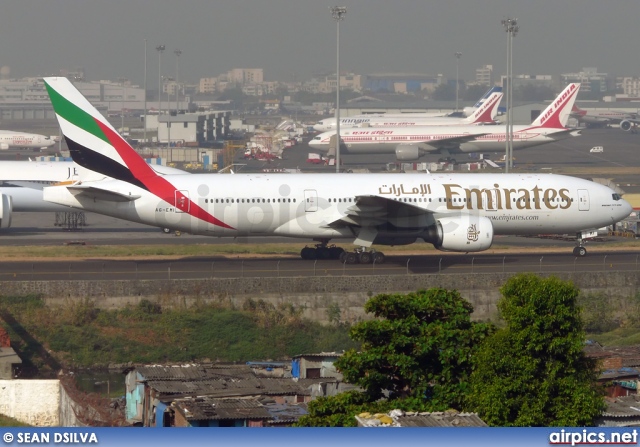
[(630, 355), (233, 387), (398, 418), (285, 413), (207, 408), (611, 374), (623, 407), (319, 354), (193, 372)]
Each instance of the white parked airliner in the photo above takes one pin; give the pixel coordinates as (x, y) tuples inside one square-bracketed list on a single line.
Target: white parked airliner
[(23, 140), (484, 111), (21, 184), (410, 143), (455, 212)]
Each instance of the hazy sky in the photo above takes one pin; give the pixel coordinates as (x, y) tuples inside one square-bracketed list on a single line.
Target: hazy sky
[(291, 39)]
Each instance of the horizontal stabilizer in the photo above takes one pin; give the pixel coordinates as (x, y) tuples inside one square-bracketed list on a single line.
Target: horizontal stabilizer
[(101, 194)]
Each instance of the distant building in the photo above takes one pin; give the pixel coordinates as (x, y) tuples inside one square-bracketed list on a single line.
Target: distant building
[(152, 390), (243, 76), (589, 78), (401, 82), (315, 366), (484, 75)]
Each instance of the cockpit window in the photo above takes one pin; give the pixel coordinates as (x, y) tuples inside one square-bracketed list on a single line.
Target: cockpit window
[(317, 138), (616, 197)]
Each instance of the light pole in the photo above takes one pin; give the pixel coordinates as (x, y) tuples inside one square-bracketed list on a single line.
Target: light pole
[(511, 27), (458, 54), (145, 92), (177, 53), (338, 13), (168, 80), (122, 81), (160, 49)]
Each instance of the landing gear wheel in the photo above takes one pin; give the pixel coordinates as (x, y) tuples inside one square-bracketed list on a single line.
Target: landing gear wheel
[(323, 253), (343, 256), (579, 251), (351, 258), (308, 253), (365, 257), (378, 257), (166, 230), (335, 252)]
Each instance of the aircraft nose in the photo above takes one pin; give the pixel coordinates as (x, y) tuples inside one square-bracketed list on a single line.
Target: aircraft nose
[(625, 210)]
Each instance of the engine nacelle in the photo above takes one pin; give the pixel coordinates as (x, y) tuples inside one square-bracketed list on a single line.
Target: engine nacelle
[(6, 208), (407, 152), (466, 233), (4, 146), (626, 125)]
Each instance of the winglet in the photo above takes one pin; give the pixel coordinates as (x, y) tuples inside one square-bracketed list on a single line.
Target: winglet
[(556, 115)]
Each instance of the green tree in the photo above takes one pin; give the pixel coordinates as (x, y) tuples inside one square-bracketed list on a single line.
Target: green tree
[(416, 355), (534, 372)]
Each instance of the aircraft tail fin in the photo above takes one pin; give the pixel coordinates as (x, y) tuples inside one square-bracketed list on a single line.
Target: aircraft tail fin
[(487, 111), (93, 143), (557, 114)]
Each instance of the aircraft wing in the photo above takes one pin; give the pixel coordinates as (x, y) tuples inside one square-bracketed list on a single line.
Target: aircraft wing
[(562, 133), (433, 145), (100, 194), (370, 212)]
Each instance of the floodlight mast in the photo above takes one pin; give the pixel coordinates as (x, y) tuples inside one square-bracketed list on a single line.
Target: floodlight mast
[(511, 27), (458, 55), (338, 13)]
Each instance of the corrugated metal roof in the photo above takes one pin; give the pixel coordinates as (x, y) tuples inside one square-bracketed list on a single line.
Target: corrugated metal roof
[(286, 413), (319, 354), (207, 408), (445, 419), (193, 372), (234, 387), (627, 406)]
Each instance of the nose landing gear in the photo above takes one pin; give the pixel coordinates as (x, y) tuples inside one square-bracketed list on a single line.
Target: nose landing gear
[(579, 251)]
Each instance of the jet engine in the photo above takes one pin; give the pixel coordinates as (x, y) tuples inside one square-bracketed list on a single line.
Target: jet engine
[(626, 125), (465, 233), (407, 152), (6, 207)]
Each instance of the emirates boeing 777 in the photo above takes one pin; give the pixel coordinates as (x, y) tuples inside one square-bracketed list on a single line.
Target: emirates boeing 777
[(454, 212)]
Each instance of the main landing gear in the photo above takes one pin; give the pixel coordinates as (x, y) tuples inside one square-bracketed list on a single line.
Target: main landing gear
[(361, 256), (321, 251), (358, 256)]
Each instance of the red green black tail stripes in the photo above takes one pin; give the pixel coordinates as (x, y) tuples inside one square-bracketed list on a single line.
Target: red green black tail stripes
[(112, 156)]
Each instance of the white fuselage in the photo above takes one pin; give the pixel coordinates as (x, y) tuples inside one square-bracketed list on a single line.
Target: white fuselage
[(391, 119), (23, 181), (10, 139), (310, 205), (433, 139)]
